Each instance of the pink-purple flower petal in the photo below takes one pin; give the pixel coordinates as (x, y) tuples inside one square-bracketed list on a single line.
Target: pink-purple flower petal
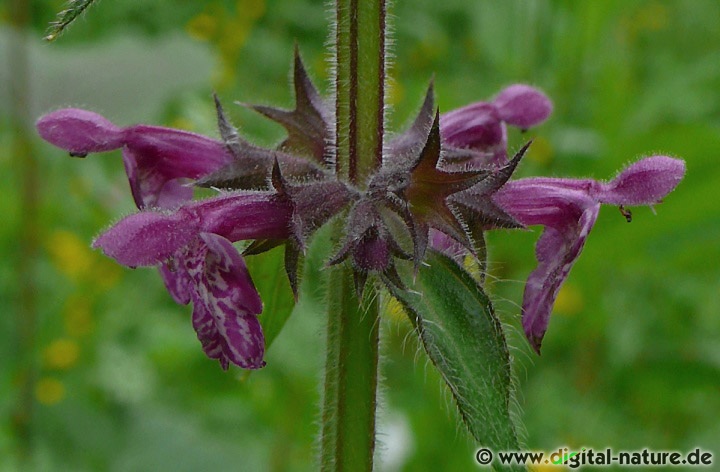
[(152, 237), (80, 132), (476, 127), (226, 292), (163, 155), (154, 157), (147, 238), (176, 280), (568, 209), (151, 188), (228, 277), (481, 126), (645, 182), (522, 106), (207, 332), (556, 252)]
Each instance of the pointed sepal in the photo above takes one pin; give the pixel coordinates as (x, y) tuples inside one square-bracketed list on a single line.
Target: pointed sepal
[(477, 205), (313, 203), (410, 141), (307, 124), (260, 246), (428, 192), (359, 279), (369, 244), (228, 132), (293, 266), (252, 166)]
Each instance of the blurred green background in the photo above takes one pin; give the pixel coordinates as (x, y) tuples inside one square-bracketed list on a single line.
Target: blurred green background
[(100, 370)]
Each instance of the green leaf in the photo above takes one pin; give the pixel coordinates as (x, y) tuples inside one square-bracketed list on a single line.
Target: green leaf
[(270, 278), (465, 341), (74, 9), (268, 274)]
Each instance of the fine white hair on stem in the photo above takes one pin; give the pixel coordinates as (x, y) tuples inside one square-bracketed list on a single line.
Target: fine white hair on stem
[(331, 59)]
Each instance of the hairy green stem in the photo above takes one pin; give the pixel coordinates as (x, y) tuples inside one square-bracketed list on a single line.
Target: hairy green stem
[(359, 87), (351, 370), (348, 435)]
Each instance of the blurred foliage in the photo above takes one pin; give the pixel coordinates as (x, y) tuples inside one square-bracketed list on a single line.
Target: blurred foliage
[(632, 356)]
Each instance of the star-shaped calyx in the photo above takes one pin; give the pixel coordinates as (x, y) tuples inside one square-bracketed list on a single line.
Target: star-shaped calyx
[(422, 184), (296, 170), (370, 245), (313, 204), (252, 165), (412, 192), (476, 205), (307, 124), (426, 193)]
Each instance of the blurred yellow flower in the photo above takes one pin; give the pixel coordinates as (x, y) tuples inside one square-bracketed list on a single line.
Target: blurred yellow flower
[(541, 151), (49, 391), (73, 257), (569, 301), (228, 31), (61, 354), (69, 254), (203, 27), (78, 316), (106, 273)]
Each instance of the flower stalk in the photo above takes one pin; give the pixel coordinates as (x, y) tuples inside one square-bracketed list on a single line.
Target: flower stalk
[(349, 402)]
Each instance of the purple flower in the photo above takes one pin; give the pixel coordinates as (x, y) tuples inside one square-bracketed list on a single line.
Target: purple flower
[(442, 183), (200, 264), (568, 209), (192, 246), (481, 126), (422, 184), (158, 161)]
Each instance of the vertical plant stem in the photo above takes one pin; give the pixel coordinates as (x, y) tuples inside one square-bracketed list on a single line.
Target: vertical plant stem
[(348, 436), (28, 228), (351, 370), (359, 87)]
